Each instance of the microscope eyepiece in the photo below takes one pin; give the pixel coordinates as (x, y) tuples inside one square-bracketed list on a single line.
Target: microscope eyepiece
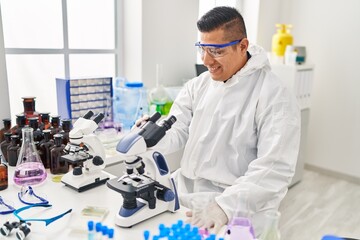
[(167, 123), (88, 115), (156, 116), (98, 118)]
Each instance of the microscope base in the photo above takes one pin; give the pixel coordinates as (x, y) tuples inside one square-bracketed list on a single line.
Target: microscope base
[(85, 181), (142, 214)]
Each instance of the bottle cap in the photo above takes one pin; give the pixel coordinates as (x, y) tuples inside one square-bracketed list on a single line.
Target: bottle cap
[(134, 84), (90, 225)]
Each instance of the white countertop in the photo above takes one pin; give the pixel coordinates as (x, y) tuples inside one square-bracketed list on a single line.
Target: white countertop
[(74, 225)]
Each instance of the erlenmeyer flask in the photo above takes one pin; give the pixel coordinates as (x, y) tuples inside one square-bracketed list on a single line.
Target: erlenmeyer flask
[(271, 230), (29, 169), (240, 226), (158, 96)]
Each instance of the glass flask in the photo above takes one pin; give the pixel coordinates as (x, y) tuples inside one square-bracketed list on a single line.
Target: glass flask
[(271, 229), (29, 169), (240, 226)]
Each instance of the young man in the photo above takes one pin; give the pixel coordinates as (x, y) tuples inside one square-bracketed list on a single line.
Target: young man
[(238, 124)]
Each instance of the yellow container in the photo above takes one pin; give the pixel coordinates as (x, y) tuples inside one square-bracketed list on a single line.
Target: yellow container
[(281, 39)]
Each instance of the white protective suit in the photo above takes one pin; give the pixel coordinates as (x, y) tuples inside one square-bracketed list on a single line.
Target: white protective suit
[(241, 134)]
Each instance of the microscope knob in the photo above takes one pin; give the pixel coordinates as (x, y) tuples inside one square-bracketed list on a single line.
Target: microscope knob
[(165, 195), (97, 161), (77, 171)]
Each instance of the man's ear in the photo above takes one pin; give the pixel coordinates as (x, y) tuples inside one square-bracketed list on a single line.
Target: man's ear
[(244, 44)]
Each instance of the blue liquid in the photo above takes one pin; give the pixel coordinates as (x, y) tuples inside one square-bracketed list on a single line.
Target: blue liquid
[(29, 173)]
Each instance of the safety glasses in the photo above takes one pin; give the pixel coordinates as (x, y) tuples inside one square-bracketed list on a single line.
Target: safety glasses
[(27, 196), (215, 50), (5, 208), (46, 220), (22, 227)]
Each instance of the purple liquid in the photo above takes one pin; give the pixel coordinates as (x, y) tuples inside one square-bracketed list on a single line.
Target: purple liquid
[(29, 173)]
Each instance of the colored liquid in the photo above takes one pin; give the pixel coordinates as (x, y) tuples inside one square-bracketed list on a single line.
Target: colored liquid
[(29, 173)]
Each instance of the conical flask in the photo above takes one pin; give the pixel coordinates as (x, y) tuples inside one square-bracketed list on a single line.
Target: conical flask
[(271, 230), (240, 226), (29, 169)]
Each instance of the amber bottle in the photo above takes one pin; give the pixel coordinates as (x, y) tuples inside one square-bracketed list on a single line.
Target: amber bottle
[(44, 121), (44, 149), (12, 150), (6, 128), (66, 128), (3, 174), (58, 165), (4, 145), (34, 124), (20, 123), (29, 108), (55, 125)]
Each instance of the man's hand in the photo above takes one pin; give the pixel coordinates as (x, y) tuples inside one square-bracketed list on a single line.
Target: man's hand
[(211, 217), (141, 121)]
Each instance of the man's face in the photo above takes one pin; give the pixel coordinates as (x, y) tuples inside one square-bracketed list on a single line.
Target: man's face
[(223, 67)]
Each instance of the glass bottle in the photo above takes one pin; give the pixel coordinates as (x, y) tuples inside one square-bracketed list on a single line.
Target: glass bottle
[(44, 121), (58, 165), (34, 124), (271, 230), (55, 124), (3, 174), (66, 128), (4, 145), (29, 108), (6, 128), (12, 150), (20, 123), (29, 169), (45, 147)]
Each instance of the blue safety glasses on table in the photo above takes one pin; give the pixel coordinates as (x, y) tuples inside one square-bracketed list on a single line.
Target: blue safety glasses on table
[(215, 50), (9, 209), (29, 193), (22, 227), (46, 220)]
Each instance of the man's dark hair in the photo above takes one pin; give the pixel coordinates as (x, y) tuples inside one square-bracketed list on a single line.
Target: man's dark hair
[(227, 18)]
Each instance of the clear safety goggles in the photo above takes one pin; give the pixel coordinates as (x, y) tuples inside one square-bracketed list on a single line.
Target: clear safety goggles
[(28, 197), (215, 50)]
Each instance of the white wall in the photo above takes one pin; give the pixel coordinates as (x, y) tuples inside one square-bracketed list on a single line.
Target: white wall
[(4, 90), (330, 30), (166, 34)]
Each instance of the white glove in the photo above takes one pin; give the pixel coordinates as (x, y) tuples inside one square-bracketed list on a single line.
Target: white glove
[(211, 217), (141, 121)]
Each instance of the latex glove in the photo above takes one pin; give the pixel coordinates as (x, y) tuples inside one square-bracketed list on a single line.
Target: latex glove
[(212, 218), (141, 121)]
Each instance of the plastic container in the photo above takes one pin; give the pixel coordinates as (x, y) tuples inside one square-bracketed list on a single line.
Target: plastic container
[(281, 39), (129, 104)]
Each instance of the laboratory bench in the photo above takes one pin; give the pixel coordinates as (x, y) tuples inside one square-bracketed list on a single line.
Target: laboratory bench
[(74, 225)]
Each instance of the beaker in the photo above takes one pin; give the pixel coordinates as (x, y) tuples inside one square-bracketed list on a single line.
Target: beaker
[(29, 169), (271, 229)]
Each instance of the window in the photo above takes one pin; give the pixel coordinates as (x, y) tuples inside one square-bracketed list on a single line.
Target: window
[(59, 38)]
